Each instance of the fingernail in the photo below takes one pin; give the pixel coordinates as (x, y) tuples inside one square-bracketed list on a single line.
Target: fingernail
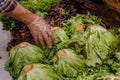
[(50, 46)]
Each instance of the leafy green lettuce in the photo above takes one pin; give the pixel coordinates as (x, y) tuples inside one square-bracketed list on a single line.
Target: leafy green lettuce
[(98, 42), (21, 55), (39, 72), (68, 63), (39, 7), (86, 20)]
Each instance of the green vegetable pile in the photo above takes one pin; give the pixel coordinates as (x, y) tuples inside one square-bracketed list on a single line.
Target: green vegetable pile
[(84, 50), (21, 55)]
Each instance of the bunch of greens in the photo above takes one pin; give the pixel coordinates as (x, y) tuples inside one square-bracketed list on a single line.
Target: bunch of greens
[(10, 23), (98, 42), (38, 72), (68, 63), (39, 7), (79, 23), (76, 26), (21, 55), (75, 42)]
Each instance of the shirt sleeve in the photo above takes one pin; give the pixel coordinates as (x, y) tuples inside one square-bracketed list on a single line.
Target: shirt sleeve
[(7, 5)]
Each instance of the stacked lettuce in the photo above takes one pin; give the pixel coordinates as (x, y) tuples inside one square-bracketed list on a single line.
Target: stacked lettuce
[(84, 50), (21, 55)]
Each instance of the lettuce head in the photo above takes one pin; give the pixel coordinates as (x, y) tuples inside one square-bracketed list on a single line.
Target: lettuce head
[(68, 63), (38, 72)]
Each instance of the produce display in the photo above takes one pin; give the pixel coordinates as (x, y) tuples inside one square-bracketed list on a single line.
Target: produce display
[(91, 53), (84, 50)]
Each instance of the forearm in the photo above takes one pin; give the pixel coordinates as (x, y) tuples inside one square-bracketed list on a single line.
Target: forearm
[(38, 26), (22, 14)]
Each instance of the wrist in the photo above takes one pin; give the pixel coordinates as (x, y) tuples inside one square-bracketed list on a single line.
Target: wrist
[(37, 22), (22, 14)]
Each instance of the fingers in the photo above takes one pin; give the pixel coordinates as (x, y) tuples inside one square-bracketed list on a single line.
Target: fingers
[(46, 38), (41, 41), (41, 32), (51, 35), (49, 27), (36, 40)]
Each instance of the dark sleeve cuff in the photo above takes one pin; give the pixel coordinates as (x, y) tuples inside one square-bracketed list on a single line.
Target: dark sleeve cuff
[(8, 6)]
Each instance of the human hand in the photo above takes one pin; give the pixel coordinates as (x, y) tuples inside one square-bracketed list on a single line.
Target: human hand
[(41, 32)]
